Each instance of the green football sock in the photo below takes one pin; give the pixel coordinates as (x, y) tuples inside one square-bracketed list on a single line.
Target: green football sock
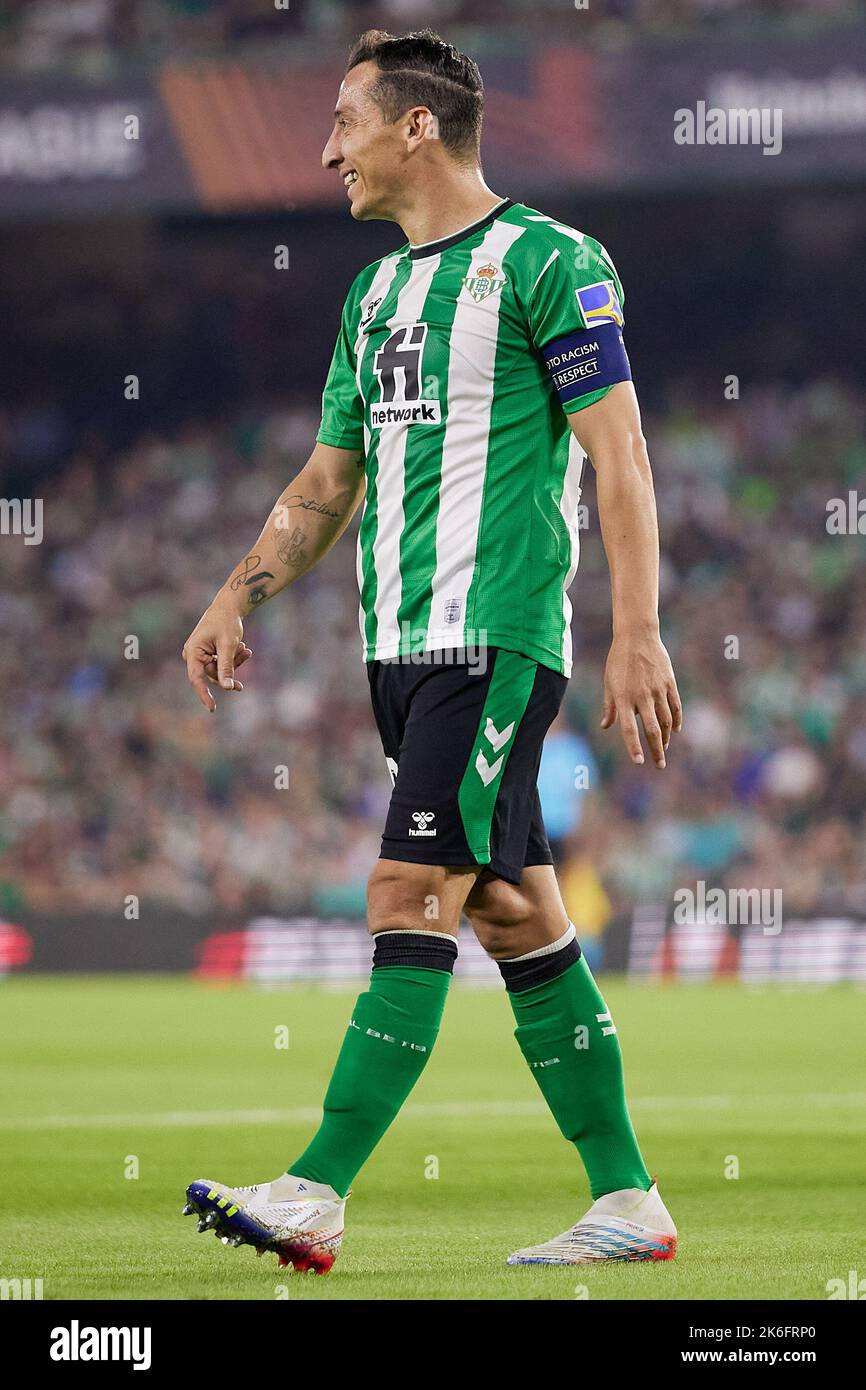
[(389, 1039), (566, 1035)]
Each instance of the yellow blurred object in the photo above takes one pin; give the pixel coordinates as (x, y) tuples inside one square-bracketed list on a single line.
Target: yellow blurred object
[(584, 896)]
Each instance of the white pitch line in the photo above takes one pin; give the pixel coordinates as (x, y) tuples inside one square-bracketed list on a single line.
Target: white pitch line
[(180, 1119)]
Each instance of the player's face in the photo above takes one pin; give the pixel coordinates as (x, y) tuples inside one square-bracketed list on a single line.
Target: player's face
[(365, 150)]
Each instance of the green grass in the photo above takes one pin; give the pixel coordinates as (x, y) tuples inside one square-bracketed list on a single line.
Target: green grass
[(94, 1071)]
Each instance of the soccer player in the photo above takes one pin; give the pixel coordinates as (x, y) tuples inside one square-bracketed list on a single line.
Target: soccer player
[(475, 368)]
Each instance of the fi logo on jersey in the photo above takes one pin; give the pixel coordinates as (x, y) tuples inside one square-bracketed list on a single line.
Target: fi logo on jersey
[(399, 367), (599, 303)]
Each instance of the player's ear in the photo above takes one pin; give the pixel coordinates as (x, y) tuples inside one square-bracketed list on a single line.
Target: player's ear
[(421, 125)]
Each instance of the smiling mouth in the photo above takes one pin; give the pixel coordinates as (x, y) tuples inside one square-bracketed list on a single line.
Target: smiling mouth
[(350, 178)]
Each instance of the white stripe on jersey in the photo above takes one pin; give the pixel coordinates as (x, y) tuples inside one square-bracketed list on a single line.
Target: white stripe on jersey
[(379, 288), (579, 237), (471, 364), (568, 503), (554, 255), (390, 474)]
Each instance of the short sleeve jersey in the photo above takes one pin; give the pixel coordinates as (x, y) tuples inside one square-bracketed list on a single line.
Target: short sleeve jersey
[(455, 370)]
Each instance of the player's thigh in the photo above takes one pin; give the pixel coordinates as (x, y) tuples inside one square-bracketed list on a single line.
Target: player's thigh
[(431, 715), (465, 788), (404, 896), (463, 740), (512, 919)]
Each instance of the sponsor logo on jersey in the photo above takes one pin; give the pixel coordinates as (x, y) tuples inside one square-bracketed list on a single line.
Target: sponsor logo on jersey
[(486, 280), (405, 413), (399, 366), (599, 303), (422, 819)]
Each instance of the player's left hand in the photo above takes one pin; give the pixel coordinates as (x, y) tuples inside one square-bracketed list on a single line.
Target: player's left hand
[(242, 654), (639, 681)]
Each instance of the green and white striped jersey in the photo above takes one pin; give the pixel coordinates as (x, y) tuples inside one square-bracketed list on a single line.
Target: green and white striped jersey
[(469, 535)]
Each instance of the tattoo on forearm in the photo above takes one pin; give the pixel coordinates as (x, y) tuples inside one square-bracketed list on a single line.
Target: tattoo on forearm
[(257, 596), (312, 504), (290, 548), (246, 575)]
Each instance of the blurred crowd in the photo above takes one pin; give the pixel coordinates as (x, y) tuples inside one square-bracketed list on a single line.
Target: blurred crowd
[(117, 782), (93, 36)]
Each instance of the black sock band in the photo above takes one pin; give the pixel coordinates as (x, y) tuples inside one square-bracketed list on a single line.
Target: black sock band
[(421, 950), (523, 974)]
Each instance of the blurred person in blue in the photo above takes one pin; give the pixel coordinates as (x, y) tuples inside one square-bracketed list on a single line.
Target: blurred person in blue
[(568, 771)]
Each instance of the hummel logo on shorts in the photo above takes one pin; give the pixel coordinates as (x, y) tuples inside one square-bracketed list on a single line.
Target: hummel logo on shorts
[(422, 819)]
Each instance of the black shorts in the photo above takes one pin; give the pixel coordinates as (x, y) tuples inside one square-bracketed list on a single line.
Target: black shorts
[(462, 733)]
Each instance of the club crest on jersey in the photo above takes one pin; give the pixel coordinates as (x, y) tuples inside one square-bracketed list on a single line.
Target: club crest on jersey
[(599, 303), (486, 281)]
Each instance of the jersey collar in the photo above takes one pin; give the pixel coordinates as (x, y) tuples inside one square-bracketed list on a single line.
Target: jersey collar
[(433, 248)]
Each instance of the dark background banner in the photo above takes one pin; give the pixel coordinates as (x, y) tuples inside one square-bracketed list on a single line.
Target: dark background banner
[(279, 950), (234, 136)]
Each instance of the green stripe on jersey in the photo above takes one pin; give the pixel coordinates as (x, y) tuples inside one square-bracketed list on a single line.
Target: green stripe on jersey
[(505, 705), (469, 532)]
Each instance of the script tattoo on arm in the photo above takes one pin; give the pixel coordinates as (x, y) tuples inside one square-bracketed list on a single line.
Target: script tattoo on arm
[(312, 504)]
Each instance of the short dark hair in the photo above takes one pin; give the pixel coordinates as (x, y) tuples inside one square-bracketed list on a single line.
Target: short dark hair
[(421, 69)]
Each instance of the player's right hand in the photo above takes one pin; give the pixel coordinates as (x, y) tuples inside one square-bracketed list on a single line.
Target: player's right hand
[(213, 651)]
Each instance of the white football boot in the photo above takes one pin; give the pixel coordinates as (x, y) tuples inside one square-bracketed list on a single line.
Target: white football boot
[(627, 1225), (302, 1221)]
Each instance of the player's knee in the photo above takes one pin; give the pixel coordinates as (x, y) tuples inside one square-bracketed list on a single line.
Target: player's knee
[(495, 903), (500, 916), (396, 897)]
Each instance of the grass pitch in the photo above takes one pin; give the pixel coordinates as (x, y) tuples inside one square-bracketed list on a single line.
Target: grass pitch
[(118, 1091)]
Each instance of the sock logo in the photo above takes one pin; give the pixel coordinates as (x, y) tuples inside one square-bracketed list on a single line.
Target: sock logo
[(386, 1037)]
